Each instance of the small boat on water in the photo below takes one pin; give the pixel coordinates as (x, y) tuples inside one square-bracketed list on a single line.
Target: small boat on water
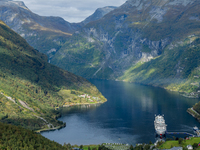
[(160, 126), (196, 131)]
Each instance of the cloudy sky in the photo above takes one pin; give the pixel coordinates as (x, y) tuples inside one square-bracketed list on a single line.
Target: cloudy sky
[(70, 10)]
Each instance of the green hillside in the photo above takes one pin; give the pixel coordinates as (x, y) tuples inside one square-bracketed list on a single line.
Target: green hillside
[(148, 41), (194, 141), (80, 57), (31, 89), (177, 69), (18, 138)]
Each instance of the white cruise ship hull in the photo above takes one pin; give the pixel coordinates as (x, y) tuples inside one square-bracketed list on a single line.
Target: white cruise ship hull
[(160, 126)]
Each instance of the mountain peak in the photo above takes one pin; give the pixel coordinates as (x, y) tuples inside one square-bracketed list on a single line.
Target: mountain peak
[(13, 4), (99, 13), (138, 3)]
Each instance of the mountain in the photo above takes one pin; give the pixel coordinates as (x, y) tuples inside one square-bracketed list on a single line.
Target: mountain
[(31, 89), (46, 34), (98, 14), (153, 42)]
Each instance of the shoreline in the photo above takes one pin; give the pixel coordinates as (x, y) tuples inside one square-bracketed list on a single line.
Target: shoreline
[(79, 104), (50, 129), (194, 114), (64, 124), (191, 95), (184, 94)]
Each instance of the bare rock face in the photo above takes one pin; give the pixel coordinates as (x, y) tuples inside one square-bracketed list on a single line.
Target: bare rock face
[(98, 14), (137, 31), (40, 32), (152, 42), (112, 40), (43, 33), (15, 13)]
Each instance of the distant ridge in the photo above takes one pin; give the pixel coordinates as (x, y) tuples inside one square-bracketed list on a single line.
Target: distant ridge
[(98, 14), (46, 34), (144, 41), (43, 33)]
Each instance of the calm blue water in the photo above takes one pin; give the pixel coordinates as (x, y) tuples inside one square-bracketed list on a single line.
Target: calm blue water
[(127, 116)]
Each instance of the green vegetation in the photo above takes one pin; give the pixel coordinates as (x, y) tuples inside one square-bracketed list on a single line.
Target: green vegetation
[(93, 147), (174, 24), (30, 87), (177, 69), (103, 146), (195, 111), (142, 147), (46, 41), (18, 138), (116, 146), (121, 42), (73, 97), (120, 37), (145, 48), (181, 143), (79, 56)]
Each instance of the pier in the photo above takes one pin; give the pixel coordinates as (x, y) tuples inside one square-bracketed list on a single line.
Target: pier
[(186, 133), (160, 128)]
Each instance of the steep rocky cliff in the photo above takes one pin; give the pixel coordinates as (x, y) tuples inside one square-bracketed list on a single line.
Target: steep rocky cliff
[(46, 34), (98, 14), (137, 33)]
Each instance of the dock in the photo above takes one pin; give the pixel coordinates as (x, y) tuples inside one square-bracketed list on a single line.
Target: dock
[(186, 133)]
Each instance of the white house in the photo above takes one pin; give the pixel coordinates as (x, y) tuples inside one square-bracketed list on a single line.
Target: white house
[(189, 147)]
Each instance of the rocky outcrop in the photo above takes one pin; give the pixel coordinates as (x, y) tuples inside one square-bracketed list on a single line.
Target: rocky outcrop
[(137, 31), (43, 33), (98, 14)]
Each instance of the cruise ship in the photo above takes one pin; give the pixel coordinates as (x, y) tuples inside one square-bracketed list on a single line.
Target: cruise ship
[(160, 126)]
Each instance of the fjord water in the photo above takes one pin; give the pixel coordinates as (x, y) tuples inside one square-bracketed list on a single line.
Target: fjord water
[(127, 116)]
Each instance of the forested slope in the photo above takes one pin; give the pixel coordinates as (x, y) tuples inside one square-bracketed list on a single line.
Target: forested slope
[(31, 88), (176, 70), (18, 138)]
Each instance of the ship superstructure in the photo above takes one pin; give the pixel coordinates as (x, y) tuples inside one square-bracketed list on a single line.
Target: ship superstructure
[(160, 126)]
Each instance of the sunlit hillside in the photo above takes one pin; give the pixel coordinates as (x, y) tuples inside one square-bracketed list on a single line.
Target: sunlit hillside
[(31, 89)]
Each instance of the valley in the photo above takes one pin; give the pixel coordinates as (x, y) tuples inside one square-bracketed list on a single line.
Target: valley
[(31, 87), (44, 62), (120, 45)]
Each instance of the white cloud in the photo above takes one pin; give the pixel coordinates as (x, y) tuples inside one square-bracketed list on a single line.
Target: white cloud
[(70, 10)]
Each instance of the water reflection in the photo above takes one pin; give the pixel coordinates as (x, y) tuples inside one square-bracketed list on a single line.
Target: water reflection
[(147, 104), (127, 116), (79, 108)]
